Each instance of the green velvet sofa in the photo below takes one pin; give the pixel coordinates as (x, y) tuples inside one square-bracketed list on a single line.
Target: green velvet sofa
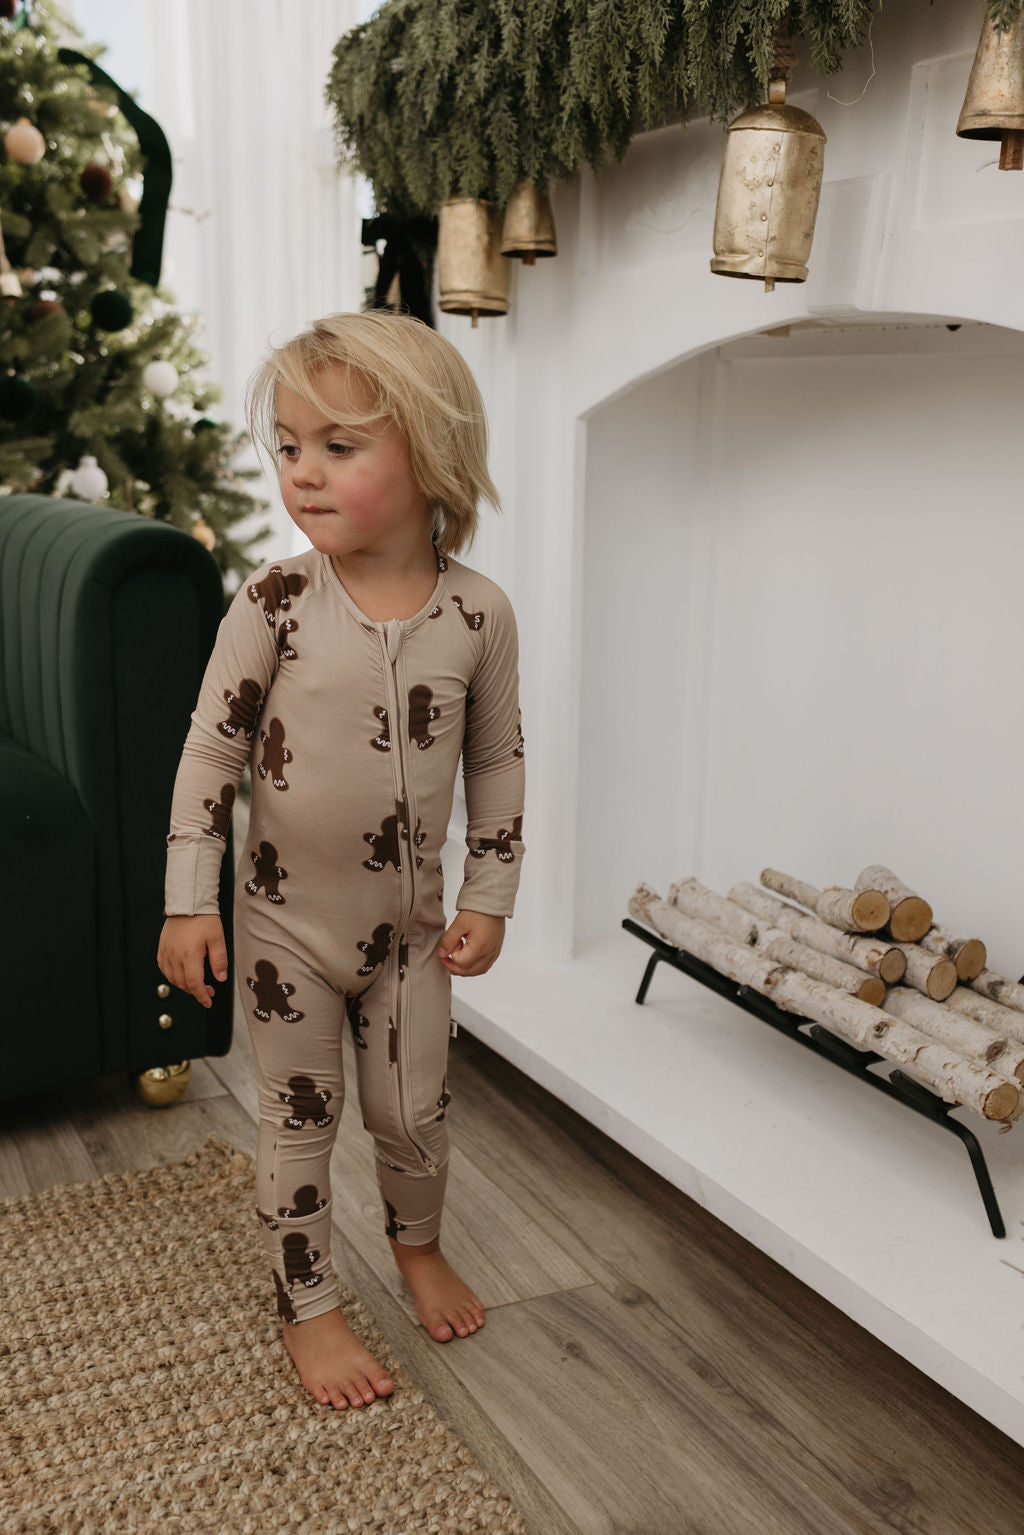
[(106, 623)]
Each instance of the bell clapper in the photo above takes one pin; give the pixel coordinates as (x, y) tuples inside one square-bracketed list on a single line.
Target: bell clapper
[(1011, 152), (769, 285), (529, 259), (476, 317)]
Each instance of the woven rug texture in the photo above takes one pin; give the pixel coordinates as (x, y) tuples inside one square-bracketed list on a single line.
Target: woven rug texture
[(144, 1385)]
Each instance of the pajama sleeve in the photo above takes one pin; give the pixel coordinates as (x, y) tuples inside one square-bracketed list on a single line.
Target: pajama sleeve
[(240, 670), (493, 770)]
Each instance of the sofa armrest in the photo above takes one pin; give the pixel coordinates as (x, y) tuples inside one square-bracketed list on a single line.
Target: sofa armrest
[(108, 619)]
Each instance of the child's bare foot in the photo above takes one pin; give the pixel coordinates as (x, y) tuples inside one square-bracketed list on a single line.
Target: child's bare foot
[(332, 1363), (444, 1303)]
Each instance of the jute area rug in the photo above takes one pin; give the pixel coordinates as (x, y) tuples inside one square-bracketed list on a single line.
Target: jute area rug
[(144, 1386)]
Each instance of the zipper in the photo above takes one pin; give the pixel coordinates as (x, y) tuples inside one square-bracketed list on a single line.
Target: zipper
[(390, 636)]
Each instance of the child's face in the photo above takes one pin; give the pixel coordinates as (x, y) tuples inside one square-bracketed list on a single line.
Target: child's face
[(351, 490)]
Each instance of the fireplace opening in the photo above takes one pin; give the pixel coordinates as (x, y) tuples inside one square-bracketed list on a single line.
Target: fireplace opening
[(802, 628)]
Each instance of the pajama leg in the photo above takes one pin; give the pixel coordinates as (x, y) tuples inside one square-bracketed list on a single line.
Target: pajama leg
[(296, 1022), (401, 1027)]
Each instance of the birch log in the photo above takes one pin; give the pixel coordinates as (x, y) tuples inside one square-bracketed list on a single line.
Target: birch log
[(696, 900), (973, 1040), (999, 989), (872, 954), (953, 1078), (910, 917), (736, 960), (968, 954), (1004, 1020), (863, 911), (933, 974)]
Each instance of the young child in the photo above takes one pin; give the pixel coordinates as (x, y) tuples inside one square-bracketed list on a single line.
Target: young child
[(356, 673)]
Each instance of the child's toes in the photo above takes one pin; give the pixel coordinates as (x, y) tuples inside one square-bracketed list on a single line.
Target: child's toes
[(440, 1330), (336, 1396)]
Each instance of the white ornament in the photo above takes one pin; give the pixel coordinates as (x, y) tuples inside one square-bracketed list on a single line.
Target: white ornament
[(88, 482), (24, 142), (160, 378)]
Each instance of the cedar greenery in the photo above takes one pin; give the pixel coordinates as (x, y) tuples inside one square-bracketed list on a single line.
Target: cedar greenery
[(462, 98)]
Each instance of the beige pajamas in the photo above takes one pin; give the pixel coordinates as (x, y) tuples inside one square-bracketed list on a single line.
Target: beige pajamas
[(355, 729)]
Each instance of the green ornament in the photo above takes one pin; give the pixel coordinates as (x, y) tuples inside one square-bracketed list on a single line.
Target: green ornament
[(111, 309), (18, 398)]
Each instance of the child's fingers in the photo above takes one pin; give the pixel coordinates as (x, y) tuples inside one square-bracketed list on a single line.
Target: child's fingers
[(219, 958)]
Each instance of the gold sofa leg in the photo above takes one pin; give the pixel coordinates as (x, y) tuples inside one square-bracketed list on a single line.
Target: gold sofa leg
[(162, 1085)]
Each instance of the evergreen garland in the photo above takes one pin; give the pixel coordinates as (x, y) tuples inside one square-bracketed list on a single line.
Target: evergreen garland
[(163, 458), (463, 98)]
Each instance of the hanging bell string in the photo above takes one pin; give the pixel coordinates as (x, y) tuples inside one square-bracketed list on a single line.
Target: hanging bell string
[(401, 258), (783, 64)]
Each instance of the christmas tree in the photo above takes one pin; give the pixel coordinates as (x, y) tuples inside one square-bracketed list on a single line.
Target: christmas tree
[(95, 361)]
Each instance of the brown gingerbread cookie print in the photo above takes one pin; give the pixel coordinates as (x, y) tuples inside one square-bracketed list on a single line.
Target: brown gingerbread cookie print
[(243, 709), (444, 1100), (285, 1309), (377, 949), (220, 810), (387, 843), (422, 714), (394, 1225), (276, 590), (357, 1018), (266, 1220), (271, 994), (382, 740), (298, 1260), (474, 620), (499, 845), (275, 755), (285, 646), (268, 875), (305, 1201), (306, 1101)]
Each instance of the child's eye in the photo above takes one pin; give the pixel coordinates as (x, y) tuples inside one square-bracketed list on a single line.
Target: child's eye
[(339, 449), (287, 449)]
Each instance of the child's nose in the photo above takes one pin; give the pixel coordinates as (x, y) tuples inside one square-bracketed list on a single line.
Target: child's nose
[(306, 470)]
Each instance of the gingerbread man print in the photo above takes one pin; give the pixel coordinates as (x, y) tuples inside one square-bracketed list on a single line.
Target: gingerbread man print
[(271, 994), (268, 874), (306, 1101), (422, 714), (275, 755), (243, 709), (499, 845), (220, 810), (276, 590)]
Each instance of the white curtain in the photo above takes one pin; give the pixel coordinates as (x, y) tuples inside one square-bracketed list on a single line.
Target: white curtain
[(263, 231)]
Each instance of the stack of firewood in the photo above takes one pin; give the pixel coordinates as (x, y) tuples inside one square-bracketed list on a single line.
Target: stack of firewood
[(870, 965)]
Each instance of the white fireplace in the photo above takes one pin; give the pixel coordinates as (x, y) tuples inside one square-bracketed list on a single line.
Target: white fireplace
[(765, 550)]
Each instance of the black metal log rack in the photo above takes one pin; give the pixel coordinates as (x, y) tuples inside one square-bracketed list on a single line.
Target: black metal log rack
[(897, 1085)]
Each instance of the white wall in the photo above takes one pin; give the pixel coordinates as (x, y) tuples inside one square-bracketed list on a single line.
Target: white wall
[(803, 627)]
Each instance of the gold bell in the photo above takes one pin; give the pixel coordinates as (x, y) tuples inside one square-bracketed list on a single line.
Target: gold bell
[(472, 274), (529, 227), (994, 105), (768, 192)]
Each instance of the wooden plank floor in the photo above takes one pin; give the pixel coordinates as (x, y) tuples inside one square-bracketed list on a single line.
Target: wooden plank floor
[(643, 1369)]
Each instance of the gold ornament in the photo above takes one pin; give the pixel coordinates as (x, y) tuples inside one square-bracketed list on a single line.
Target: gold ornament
[(201, 529), (769, 187), (529, 227), (163, 1085), (472, 273), (994, 105), (24, 142)]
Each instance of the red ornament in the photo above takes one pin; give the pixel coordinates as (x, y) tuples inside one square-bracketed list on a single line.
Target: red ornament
[(95, 182), (45, 306)]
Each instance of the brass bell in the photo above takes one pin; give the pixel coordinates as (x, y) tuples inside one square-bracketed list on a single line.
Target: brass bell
[(529, 227), (994, 105), (472, 274), (768, 192)]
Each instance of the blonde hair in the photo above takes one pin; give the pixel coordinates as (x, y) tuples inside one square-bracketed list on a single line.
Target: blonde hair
[(415, 379)]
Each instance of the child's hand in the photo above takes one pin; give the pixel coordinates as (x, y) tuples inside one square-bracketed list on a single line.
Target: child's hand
[(472, 943), (184, 945)]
